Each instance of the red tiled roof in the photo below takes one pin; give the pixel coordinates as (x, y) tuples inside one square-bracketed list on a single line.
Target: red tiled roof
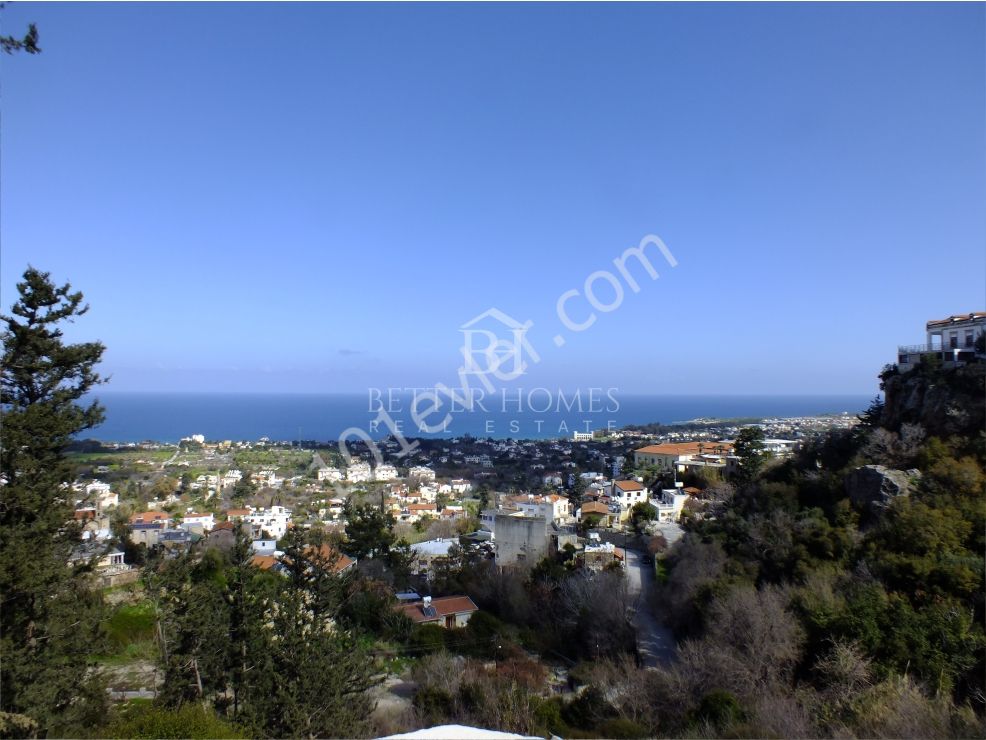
[(237, 512), (444, 606), (594, 507), (145, 517), (686, 448), (264, 562), (629, 485), (959, 317), (329, 556)]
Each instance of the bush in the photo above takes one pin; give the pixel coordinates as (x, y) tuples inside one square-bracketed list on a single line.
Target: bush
[(427, 638), (622, 728), (482, 633), (148, 721), (719, 708)]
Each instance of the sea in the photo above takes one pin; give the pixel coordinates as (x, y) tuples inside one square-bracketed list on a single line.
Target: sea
[(167, 417)]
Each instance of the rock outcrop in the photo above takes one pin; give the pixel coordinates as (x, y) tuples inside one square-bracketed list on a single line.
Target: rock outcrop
[(873, 487), (945, 402)]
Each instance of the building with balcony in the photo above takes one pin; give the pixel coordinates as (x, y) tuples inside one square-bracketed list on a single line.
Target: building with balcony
[(952, 340)]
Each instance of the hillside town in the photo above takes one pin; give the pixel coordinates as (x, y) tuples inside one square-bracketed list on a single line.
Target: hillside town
[(515, 501)]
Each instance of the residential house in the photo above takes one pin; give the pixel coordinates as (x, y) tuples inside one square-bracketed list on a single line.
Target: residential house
[(193, 520), (523, 541), (330, 474), (101, 496), (415, 512), (460, 486), (385, 472), (428, 552), (952, 340), (150, 517), (449, 612), (359, 472), (669, 504), (606, 515), (238, 515), (266, 478), (330, 558), (264, 546), (627, 493), (665, 456), (421, 473), (274, 521)]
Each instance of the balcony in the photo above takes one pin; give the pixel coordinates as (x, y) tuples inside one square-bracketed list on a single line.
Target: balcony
[(917, 349), (923, 349)]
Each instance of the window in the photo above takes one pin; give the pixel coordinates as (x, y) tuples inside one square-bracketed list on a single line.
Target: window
[(953, 340), (969, 340)]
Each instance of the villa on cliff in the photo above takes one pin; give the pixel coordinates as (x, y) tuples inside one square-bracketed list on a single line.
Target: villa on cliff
[(953, 340)]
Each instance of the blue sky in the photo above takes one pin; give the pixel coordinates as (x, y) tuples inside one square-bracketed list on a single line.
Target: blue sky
[(315, 197)]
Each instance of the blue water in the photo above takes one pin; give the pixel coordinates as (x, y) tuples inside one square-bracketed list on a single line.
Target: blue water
[(167, 417)]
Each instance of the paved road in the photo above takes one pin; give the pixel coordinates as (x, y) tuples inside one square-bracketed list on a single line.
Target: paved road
[(654, 641)]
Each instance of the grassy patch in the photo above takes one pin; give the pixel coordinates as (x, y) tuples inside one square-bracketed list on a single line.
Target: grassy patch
[(130, 624)]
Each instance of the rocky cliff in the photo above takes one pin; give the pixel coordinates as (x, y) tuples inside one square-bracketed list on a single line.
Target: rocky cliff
[(945, 401)]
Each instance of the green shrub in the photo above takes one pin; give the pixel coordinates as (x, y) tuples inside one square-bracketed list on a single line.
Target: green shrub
[(720, 708), (622, 728), (427, 638), (148, 721)]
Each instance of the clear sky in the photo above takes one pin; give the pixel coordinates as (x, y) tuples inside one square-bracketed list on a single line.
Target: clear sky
[(315, 197)]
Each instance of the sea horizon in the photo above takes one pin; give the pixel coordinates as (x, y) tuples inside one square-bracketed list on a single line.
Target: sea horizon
[(167, 416)]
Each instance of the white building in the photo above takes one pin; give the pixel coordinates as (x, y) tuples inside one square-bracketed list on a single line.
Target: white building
[(330, 474), (421, 473), (266, 478), (627, 493), (669, 504), (195, 520), (385, 472), (101, 495), (953, 340), (274, 521), (425, 553), (359, 472), (231, 478), (581, 436), (460, 485)]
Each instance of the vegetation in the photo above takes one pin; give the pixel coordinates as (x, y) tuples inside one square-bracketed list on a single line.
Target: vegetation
[(261, 649), (50, 617)]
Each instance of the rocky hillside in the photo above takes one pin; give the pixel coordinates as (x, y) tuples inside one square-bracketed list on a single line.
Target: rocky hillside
[(944, 401)]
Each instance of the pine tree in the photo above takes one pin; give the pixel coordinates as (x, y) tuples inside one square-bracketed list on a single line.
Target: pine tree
[(577, 493), (49, 618), (752, 456)]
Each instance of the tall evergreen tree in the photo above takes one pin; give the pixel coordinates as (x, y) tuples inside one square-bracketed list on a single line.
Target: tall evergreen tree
[(576, 495), (750, 450), (49, 620)]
